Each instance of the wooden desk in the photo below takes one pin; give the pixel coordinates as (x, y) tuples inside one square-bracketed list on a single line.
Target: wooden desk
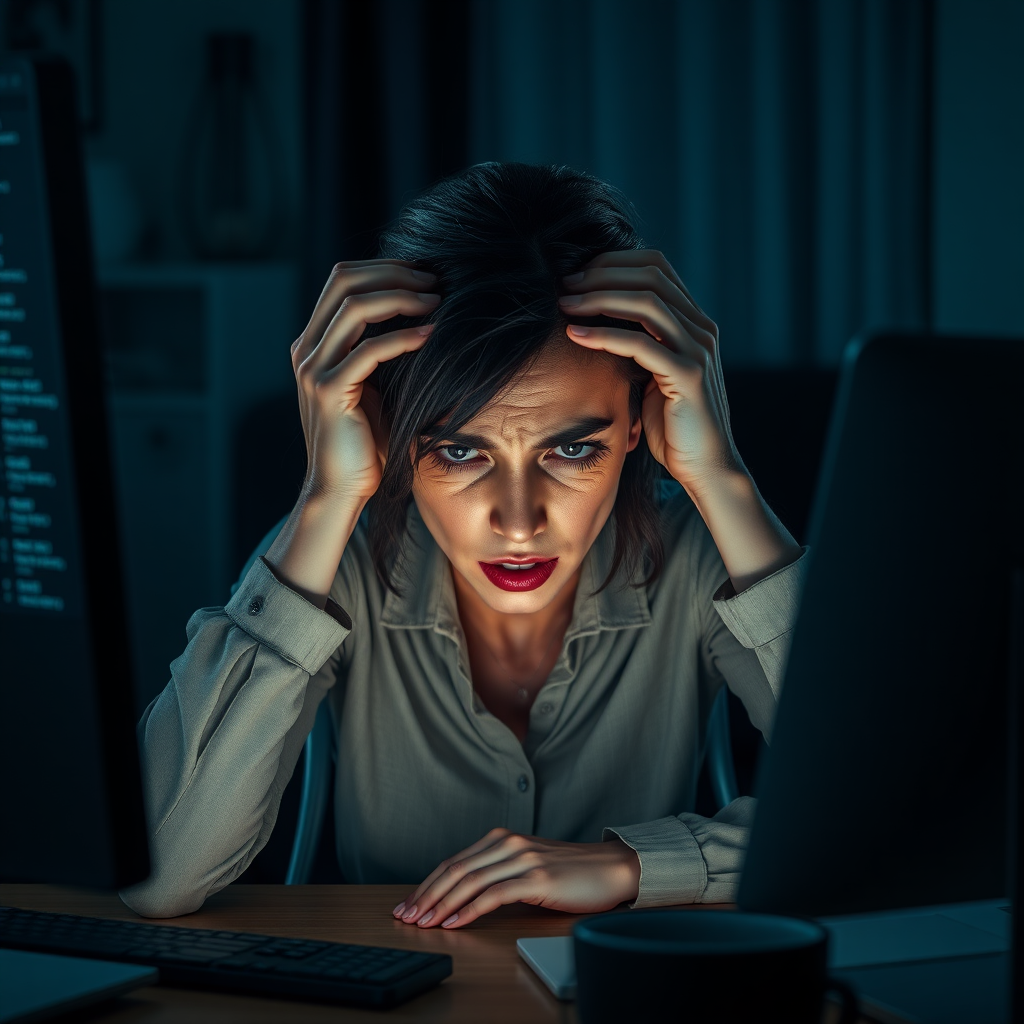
[(489, 983)]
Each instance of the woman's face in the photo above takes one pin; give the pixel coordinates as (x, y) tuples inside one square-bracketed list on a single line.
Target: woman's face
[(523, 480)]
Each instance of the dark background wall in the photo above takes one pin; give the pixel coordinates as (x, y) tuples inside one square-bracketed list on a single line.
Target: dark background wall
[(626, 91), (814, 168), (724, 122)]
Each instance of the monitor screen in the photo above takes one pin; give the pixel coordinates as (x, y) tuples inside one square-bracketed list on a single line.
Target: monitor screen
[(72, 796), (886, 782)]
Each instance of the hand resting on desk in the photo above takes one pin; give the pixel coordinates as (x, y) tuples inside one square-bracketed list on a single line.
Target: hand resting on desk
[(506, 867)]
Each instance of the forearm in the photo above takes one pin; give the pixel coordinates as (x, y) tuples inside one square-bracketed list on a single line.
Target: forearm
[(222, 739), (211, 805), (750, 538), (307, 551)]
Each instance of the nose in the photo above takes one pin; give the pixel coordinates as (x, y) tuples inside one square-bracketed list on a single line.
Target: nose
[(517, 508)]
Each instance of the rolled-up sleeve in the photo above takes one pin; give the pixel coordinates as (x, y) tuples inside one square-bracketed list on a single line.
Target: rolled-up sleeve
[(222, 739), (689, 858), (762, 617)]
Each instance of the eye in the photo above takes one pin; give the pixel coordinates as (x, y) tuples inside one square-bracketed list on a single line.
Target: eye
[(461, 455), (575, 456), (578, 459), (453, 457)]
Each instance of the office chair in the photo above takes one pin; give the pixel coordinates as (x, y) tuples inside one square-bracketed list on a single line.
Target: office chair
[(320, 755), (316, 785)]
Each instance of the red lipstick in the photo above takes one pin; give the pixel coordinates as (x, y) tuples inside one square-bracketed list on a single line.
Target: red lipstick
[(519, 579)]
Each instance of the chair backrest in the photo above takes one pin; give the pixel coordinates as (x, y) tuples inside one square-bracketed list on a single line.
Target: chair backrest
[(316, 786)]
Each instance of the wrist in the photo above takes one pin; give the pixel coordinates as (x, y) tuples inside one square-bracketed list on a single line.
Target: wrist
[(751, 540), (728, 484), (306, 553), (630, 861), (316, 502)]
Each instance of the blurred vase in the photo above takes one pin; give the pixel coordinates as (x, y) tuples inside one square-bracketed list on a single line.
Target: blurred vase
[(114, 210), (231, 188)]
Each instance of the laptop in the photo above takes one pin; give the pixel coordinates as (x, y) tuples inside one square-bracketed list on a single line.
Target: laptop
[(888, 801)]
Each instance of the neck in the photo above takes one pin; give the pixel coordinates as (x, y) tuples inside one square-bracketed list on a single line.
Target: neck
[(515, 638)]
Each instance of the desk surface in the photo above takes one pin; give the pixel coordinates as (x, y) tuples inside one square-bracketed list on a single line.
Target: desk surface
[(489, 981)]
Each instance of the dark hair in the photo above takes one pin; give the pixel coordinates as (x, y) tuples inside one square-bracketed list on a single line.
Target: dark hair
[(500, 237)]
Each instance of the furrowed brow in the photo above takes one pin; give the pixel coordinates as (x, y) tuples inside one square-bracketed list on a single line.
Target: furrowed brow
[(565, 434)]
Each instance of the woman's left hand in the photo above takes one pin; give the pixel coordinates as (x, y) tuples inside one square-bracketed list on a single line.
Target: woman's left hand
[(505, 867), (685, 411)]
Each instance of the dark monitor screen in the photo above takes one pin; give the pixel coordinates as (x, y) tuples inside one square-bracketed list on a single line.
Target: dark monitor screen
[(886, 784), (72, 797)]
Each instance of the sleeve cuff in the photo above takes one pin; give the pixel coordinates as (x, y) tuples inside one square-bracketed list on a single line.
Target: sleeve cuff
[(672, 869), (766, 610), (275, 615)]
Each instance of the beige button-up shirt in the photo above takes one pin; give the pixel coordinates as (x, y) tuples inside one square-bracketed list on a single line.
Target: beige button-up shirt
[(615, 742)]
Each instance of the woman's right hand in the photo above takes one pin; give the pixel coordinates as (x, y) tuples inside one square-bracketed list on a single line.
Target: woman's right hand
[(346, 442)]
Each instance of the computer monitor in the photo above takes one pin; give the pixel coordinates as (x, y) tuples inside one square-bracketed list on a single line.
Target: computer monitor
[(69, 764), (891, 781)]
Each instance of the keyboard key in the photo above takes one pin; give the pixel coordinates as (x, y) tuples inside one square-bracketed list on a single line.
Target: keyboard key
[(345, 974), (234, 963), (399, 969), (187, 955), (299, 970), (142, 952)]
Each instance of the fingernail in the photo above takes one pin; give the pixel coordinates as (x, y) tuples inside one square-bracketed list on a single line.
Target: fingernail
[(573, 278), (425, 329), (425, 918), (451, 920), (411, 912), (576, 329), (424, 275), (398, 910), (570, 300), (429, 296)]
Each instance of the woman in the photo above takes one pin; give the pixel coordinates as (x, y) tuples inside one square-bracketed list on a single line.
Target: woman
[(520, 712)]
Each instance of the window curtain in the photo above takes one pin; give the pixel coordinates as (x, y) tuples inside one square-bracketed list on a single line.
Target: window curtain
[(386, 103), (778, 151)]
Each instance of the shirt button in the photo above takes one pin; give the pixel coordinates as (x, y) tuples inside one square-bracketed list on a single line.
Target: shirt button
[(524, 783), (546, 709), (256, 606)]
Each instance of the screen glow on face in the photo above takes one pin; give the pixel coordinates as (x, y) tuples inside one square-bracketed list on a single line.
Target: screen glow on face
[(533, 476)]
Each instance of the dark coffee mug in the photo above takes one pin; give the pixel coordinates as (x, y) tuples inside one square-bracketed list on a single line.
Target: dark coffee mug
[(703, 967)]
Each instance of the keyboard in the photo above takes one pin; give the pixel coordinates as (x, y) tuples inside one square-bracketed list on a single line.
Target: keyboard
[(333, 972)]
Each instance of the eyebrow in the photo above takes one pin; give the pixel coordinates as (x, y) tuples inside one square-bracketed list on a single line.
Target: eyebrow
[(565, 434)]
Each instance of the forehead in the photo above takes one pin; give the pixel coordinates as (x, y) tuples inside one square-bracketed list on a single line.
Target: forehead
[(560, 385)]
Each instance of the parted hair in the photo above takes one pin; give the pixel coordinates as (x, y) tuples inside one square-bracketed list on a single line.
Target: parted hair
[(500, 237)]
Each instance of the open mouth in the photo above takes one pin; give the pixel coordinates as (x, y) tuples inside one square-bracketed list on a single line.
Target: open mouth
[(516, 576)]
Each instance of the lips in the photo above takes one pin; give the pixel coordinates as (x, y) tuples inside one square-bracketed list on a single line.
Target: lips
[(519, 579)]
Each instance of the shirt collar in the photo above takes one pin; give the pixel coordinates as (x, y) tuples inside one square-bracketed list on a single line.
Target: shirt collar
[(429, 600)]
